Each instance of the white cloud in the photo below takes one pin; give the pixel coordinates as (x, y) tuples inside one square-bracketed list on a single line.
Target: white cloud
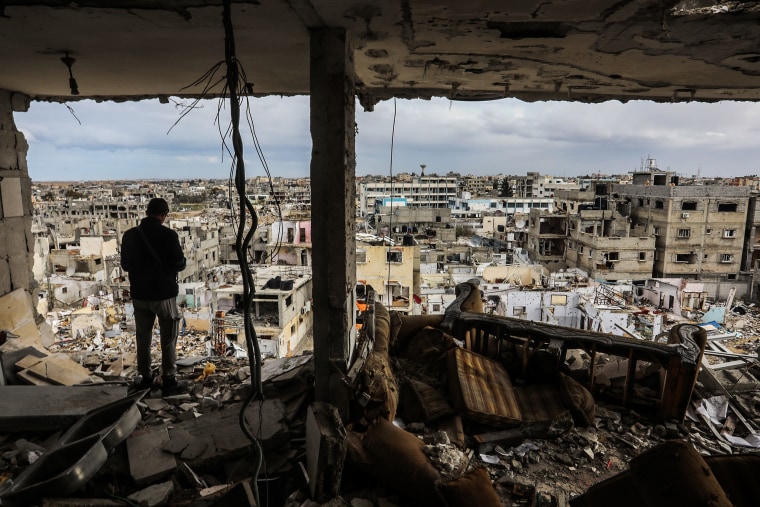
[(133, 139)]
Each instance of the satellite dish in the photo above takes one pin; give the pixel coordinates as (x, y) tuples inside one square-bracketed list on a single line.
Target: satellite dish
[(520, 224)]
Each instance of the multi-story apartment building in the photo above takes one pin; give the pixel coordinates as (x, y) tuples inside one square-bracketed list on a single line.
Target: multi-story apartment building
[(534, 185), (602, 241), (433, 224), (547, 235), (393, 272), (467, 207), (290, 242), (282, 191), (752, 235), (200, 243), (421, 192), (118, 209), (480, 186), (699, 229)]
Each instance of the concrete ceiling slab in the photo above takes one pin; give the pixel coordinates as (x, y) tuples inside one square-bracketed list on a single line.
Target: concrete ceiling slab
[(589, 51)]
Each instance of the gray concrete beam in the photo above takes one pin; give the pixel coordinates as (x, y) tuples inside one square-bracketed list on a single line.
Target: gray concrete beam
[(333, 165)]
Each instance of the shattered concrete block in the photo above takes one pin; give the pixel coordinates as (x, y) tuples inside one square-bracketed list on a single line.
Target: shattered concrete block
[(153, 496), (155, 404), (178, 441), (44, 408), (147, 459), (325, 450), (222, 438), (16, 309), (20, 102)]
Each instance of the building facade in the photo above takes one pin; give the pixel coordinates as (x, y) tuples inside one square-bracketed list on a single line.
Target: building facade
[(699, 229)]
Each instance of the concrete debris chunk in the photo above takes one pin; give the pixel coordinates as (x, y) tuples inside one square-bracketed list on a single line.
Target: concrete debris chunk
[(39, 408), (148, 461), (156, 495), (325, 450)]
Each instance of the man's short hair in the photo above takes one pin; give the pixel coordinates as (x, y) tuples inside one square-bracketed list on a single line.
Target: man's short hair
[(157, 206)]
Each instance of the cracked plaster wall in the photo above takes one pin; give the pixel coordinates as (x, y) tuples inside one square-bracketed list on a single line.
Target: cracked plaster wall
[(16, 240)]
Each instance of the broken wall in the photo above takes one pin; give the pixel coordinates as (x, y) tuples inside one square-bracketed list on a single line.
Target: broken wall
[(17, 243), (663, 294), (86, 322), (524, 305), (40, 252), (97, 246), (606, 320), (516, 274), (69, 291), (561, 308)]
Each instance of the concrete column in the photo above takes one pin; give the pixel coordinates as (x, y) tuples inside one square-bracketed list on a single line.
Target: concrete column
[(16, 240), (333, 166)]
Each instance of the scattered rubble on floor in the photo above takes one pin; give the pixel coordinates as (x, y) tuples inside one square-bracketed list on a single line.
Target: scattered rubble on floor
[(409, 439)]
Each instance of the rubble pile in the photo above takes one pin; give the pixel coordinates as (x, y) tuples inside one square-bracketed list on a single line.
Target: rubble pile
[(408, 441)]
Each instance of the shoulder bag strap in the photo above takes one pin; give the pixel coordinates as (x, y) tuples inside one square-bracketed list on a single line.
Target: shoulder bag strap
[(150, 247)]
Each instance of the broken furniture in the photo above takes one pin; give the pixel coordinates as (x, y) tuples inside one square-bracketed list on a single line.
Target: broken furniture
[(77, 455), (112, 422), (537, 351), (60, 471), (482, 391), (674, 473)]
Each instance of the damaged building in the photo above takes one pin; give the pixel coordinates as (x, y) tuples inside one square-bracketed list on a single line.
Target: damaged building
[(698, 230), (506, 410)]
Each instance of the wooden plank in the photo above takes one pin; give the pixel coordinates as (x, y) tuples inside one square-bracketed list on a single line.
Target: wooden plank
[(60, 370), (42, 408)]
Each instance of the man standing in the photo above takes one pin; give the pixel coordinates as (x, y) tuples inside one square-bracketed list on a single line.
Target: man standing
[(152, 256)]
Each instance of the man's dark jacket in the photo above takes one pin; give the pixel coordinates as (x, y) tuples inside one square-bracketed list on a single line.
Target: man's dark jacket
[(150, 279)]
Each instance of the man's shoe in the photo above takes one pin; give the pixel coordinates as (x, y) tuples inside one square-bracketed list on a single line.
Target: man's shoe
[(172, 387), (141, 383)]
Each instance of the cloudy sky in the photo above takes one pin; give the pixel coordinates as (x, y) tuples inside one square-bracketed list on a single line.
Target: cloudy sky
[(102, 141)]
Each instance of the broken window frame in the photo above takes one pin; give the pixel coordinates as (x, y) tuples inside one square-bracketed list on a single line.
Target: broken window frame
[(394, 256), (559, 299)]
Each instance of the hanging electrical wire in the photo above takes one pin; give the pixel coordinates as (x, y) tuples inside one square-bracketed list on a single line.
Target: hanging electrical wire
[(235, 88), (387, 289), (243, 238)]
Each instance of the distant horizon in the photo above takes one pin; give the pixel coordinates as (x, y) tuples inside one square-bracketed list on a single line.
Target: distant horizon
[(514, 175), (138, 140)]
